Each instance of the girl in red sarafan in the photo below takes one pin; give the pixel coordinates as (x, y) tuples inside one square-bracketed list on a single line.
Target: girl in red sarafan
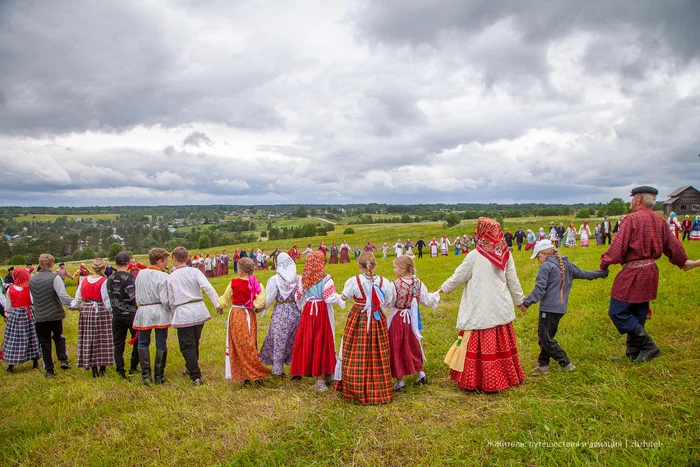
[(405, 324), (363, 372), (314, 345), (485, 356), (21, 343)]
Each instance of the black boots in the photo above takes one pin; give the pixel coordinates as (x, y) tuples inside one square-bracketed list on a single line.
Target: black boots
[(647, 349), (35, 363), (159, 368), (145, 360), (632, 349), (95, 373)]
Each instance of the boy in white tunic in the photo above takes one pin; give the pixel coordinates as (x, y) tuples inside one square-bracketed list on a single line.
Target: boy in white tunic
[(189, 311)]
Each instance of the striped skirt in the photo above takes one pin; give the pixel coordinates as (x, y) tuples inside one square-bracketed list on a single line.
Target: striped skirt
[(366, 360), (492, 363), (21, 343), (95, 343)]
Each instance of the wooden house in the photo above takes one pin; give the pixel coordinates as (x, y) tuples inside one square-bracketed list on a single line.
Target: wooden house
[(685, 200)]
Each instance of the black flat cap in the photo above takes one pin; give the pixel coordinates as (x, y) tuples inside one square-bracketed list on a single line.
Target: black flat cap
[(644, 189)]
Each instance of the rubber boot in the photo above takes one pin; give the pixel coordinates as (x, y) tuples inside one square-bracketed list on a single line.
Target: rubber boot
[(647, 348), (632, 350), (102, 370), (94, 372), (159, 368), (35, 363), (145, 361)]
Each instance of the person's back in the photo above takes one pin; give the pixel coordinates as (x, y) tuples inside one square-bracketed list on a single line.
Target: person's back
[(548, 284), (47, 304), (120, 288)]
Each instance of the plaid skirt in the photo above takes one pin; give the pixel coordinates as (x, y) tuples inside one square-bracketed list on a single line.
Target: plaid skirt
[(21, 343), (491, 363), (366, 360), (95, 343)]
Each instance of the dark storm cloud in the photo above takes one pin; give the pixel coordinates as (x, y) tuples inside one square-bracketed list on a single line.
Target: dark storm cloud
[(110, 65)]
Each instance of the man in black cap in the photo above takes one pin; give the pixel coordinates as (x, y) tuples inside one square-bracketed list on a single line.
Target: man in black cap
[(642, 239), (121, 289)]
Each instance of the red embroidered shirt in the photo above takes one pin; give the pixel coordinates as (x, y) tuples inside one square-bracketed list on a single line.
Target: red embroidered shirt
[(643, 236)]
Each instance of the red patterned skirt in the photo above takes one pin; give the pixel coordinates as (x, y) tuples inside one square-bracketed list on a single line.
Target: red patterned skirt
[(406, 354), (366, 360), (314, 345), (492, 363)]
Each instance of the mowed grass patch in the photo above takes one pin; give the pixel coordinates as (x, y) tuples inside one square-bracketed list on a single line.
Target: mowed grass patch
[(555, 419)]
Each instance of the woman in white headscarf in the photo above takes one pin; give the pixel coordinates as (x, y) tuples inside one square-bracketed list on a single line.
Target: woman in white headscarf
[(283, 289)]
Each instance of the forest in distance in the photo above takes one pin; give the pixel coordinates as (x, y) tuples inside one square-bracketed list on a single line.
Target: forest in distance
[(78, 233)]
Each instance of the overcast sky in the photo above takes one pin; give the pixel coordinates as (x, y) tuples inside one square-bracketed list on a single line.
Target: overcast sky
[(399, 101)]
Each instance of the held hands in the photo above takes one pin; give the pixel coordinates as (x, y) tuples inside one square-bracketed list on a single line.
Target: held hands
[(219, 310), (522, 308), (690, 264)]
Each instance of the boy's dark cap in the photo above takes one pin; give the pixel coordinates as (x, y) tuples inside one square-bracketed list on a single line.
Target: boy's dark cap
[(122, 258), (644, 189)]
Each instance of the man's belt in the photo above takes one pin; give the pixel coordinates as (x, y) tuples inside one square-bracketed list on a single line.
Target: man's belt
[(638, 264)]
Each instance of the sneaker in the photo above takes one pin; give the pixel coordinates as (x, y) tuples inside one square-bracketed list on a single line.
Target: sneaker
[(49, 374), (399, 387), (423, 380), (569, 367), (197, 382), (320, 386), (65, 365), (541, 369)]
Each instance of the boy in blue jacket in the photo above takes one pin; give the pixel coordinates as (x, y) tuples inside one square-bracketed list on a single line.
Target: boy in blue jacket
[(552, 286)]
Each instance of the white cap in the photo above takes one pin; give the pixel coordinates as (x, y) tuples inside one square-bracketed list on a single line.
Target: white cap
[(541, 246)]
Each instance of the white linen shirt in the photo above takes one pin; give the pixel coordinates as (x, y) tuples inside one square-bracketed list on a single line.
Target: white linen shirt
[(487, 300), (185, 296), (152, 298)]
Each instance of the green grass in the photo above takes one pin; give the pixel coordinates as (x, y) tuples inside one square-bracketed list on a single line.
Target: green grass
[(53, 217), (77, 420)]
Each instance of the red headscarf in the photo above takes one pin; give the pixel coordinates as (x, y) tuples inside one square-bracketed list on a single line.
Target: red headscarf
[(491, 243), (21, 277), (315, 269)]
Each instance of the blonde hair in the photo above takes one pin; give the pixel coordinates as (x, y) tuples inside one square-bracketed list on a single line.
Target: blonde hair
[(246, 266), (562, 268), (99, 265), (46, 261), (406, 263), (367, 262)]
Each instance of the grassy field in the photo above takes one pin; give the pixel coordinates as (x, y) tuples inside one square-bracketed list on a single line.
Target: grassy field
[(601, 409)]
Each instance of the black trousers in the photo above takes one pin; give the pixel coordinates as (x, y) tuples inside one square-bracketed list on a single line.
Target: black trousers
[(45, 331), (609, 237), (549, 347), (188, 338), (520, 246), (420, 252), (120, 328), (686, 233)]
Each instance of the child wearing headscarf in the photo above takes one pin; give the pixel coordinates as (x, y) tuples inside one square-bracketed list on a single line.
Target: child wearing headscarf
[(20, 342), (282, 289), (314, 346), (695, 229), (244, 296), (363, 372), (674, 224), (530, 240), (485, 355), (95, 340), (584, 233)]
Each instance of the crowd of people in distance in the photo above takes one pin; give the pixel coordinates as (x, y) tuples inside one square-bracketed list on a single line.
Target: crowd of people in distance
[(381, 344)]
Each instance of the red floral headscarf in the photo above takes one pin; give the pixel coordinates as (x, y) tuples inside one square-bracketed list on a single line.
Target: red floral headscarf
[(21, 277), (315, 269), (491, 243)]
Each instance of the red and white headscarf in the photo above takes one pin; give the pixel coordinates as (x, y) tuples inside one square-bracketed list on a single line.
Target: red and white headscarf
[(314, 270), (21, 277), (490, 242)]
